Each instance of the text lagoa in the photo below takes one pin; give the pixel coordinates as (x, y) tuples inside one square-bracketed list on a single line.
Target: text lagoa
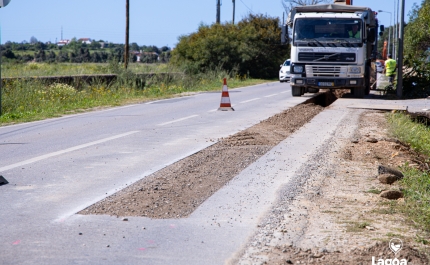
[(394, 261)]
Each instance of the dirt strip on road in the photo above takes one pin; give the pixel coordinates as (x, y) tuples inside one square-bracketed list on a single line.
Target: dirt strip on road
[(177, 190)]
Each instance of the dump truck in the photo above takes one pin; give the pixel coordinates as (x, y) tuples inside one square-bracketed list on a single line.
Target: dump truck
[(332, 47)]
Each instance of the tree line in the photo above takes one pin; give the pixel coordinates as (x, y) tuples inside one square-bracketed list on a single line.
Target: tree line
[(80, 52)]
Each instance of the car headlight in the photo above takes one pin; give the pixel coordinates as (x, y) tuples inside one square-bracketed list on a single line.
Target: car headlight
[(298, 68), (355, 70)]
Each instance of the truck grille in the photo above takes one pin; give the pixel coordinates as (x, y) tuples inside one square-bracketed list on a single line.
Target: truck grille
[(326, 71), (326, 57)]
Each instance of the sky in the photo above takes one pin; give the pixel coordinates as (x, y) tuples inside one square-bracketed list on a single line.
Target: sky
[(158, 23)]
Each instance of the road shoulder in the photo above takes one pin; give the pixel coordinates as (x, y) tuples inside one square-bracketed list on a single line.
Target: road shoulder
[(337, 218)]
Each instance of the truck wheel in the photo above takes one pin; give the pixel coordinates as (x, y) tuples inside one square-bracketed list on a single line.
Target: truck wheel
[(358, 92), (314, 90), (367, 81), (296, 91)]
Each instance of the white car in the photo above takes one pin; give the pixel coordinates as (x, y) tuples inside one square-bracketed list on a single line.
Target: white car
[(379, 67), (284, 72)]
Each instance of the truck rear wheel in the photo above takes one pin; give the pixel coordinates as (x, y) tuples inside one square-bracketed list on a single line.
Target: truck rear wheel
[(296, 91)]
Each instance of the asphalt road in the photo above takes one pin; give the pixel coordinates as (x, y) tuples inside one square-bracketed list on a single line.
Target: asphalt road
[(58, 167)]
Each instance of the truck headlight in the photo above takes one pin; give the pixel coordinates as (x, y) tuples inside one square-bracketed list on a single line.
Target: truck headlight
[(355, 70), (298, 68)]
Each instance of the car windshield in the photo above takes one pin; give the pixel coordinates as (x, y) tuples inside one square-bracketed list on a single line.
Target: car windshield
[(324, 32), (287, 63)]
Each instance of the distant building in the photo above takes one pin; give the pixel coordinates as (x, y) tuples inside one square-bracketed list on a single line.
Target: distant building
[(63, 42), (85, 40)]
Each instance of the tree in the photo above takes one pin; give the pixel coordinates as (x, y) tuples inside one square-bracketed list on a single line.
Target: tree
[(63, 57), (417, 32), (40, 56), (134, 47), (8, 54), (33, 40), (252, 46)]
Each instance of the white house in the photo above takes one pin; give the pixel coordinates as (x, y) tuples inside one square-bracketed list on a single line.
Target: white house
[(63, 42), (85, 40)]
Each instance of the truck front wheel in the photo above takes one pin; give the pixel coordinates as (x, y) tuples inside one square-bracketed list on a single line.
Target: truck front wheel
[(359, 92), (296, 91)]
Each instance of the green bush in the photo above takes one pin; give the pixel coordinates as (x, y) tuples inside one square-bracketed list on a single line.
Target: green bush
[(252, 47)]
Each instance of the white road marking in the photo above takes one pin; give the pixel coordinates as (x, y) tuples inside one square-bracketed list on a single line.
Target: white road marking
[(268, 96), (246, 101), (71, 149), (178, 120)]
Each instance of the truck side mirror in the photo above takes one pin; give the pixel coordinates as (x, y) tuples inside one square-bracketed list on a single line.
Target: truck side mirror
[(381, 28), (371, 35), (284, 34)]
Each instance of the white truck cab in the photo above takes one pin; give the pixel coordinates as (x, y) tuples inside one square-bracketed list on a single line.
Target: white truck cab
[(332, 46)]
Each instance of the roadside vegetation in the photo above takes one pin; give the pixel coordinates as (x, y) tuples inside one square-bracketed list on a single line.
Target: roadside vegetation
[(28, 100), (416, 183)]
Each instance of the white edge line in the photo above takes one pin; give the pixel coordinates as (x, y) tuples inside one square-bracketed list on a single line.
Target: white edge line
[(268, 96), (178, 120), (38, 158)]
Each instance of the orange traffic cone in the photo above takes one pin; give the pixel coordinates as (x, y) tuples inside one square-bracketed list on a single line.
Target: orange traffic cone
[(225, 98)]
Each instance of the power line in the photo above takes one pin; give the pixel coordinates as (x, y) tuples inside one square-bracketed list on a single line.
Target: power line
[(246, 6)]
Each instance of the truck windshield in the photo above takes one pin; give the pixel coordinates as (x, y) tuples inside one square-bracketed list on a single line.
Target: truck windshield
[(317, 32)]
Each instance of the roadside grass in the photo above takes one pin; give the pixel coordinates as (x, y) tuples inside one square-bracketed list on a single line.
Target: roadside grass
[(30, 100), (416, 183), (66, 69)]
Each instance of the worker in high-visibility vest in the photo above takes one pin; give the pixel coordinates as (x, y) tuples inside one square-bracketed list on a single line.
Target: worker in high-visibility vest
[(390, 69), (354, 32)]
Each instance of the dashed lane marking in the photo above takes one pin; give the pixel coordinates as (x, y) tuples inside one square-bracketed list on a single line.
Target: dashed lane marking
[(178, 120), (71, 149)]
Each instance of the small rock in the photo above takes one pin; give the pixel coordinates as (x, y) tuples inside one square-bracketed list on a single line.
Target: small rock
[(108, 246), (370, 228), (317, 256), (289, 261), (80, 234), (391, 194), (372, 140), (125, 219), (354, 141), (383, 170), (387, 178)]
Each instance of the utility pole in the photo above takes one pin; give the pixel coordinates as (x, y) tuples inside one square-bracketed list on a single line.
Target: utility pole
[(127, 28), (400, 60), (234, 9), (218, 12)]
